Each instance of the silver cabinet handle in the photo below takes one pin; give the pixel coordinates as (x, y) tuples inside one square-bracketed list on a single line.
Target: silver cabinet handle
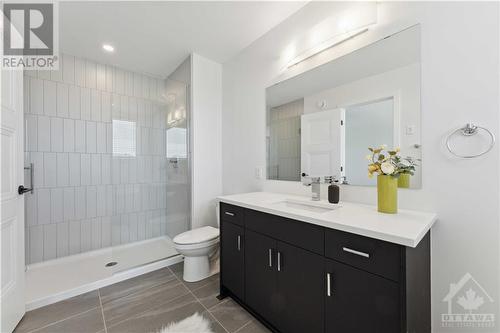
[(279, 261), (328, 286), (239, 243), (270, 257), (229, 213), (359, 253)]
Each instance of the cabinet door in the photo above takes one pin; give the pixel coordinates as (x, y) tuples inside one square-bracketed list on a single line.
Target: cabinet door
[(301, 286), (260, 279), (232, 258), (359, 301)]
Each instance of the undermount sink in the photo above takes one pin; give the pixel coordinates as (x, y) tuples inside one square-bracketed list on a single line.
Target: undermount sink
[(309, 206)]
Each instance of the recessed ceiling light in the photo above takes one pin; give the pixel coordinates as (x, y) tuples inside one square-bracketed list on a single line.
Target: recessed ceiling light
[(108, 48)]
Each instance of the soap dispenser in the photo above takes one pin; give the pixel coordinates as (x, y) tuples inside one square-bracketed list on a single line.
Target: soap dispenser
[(333, 190)]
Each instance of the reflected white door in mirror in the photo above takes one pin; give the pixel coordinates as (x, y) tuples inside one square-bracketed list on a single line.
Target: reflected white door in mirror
[(322, 142)]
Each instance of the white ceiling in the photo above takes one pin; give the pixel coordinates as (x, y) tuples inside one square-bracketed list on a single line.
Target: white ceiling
[(154, 37)]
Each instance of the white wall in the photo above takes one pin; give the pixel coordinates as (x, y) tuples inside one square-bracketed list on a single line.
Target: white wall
[(460, 51), (183, 72), (206, 139)]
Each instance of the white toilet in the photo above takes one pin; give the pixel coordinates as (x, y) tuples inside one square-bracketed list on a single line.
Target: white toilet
[(197, 246)]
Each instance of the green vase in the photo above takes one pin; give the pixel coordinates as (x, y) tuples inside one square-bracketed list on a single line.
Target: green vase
[(387, 191), (404, 180)]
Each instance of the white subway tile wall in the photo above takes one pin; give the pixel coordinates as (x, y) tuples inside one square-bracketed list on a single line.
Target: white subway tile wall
[(85, 198)]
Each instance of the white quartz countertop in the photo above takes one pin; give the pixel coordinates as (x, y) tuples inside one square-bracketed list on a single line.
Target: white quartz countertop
[(407, 227)]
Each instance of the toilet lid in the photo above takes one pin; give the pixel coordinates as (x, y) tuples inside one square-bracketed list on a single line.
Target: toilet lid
[(198, 235)]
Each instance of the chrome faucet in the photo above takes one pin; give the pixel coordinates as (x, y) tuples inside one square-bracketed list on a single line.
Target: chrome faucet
[(315, 183)]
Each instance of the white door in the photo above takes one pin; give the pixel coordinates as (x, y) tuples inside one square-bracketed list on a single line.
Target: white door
[(322, 143), (12, 306)]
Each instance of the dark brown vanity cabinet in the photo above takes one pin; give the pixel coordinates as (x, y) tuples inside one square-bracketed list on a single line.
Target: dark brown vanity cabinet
[(358, 301), (260, 273), (298, 277), (301, 290), (233, 258)]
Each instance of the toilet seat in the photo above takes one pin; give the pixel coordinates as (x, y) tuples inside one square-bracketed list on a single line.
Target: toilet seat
[(197, 236), (196, 246)]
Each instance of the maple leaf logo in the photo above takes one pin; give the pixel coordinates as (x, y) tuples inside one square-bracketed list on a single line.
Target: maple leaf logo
[(471, 301)]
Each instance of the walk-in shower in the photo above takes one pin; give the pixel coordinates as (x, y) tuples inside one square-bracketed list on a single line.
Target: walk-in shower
[(107, 155)]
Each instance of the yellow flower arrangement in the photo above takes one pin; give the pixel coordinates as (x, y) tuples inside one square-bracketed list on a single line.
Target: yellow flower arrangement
[(384, 163)]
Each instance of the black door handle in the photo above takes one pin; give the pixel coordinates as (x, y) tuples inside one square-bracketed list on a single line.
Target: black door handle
[(21, 189)]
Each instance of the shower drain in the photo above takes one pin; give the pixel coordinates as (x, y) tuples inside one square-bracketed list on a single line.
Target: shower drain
[(112, 263)]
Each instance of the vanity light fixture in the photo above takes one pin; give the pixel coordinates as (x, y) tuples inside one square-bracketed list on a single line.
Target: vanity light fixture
[(108, 48), (355, 19), (326, 46)]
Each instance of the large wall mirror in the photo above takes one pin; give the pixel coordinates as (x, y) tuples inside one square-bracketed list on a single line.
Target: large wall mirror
[(322, 122)]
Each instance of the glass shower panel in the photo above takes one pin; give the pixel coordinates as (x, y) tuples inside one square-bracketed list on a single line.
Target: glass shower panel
[(177, 155), (150, 177)]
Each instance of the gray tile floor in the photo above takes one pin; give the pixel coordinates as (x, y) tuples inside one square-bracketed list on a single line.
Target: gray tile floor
[(142, 304)]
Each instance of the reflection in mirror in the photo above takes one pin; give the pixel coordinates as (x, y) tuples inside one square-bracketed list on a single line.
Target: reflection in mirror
[(366, 125), (322, 121), (176, 131), (176, 142), (284, 141)]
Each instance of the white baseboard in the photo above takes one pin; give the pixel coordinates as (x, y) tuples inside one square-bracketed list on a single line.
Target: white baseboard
[(118, 277)]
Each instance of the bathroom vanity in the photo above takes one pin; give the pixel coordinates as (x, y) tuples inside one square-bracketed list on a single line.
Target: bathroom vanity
[(301, 266)]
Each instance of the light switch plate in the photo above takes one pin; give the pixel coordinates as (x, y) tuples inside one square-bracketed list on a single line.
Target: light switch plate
[(259, 172), (410, 129)]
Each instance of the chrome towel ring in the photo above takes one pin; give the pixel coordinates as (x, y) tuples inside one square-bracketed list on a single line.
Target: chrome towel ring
[(469, 130)]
